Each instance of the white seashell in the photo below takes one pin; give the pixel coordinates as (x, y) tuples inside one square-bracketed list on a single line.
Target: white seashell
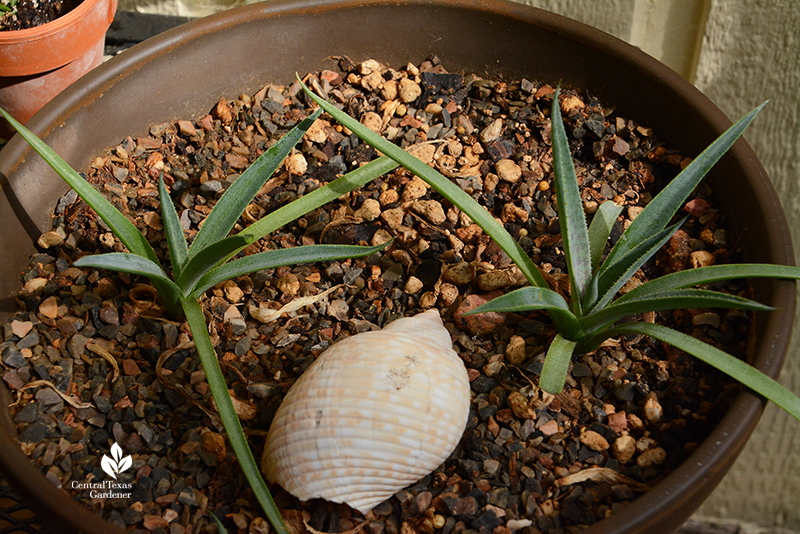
[(375, 413)]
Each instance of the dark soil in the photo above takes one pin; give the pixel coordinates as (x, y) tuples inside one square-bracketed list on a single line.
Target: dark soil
[(31, 13), (513, 470)]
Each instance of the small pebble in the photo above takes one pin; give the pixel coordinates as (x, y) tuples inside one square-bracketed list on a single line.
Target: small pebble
[(413, 285), (296, 164), (409, 90), (697, 207), (187, 128), (570, 103), (594, 441), (233, 293), (480, 323), (519, 404), (389, 90), (49, 307), (624, 448), (369, 211), (316, 133), (490, 467), (701, 258), (415, 189), (130, 368), (508, 171), (459, 274), (393, 217), (372, 121), (515, 350), (549, 428), (652, 408), (430, 209), (497, 279), (651, 457), (259, 525), (389, 196), (51, 239), (12, 357), (21, 328), (448, 294), (289, 284), (707, 318)]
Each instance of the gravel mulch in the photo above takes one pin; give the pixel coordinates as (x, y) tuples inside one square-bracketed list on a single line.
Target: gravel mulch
[(118, 371)]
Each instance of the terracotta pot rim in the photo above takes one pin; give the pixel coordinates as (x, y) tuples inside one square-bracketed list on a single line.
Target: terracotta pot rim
[(43, 31), (43, 48), (678, 488)]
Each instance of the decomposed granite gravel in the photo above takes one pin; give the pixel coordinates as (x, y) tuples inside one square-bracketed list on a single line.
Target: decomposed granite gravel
[(94, 362)]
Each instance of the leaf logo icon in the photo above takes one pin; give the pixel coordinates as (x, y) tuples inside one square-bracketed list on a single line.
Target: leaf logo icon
[(116, 465)]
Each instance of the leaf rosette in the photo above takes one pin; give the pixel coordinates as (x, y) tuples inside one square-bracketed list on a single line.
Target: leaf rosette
[(595, 311)]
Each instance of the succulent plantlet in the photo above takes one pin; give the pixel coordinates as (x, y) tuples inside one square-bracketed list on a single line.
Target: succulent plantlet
[(8, 7), (594, 312), (209, 260)]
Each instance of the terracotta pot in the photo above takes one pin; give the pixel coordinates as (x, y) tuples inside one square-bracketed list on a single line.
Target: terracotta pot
[(182, 73), (38, 63)]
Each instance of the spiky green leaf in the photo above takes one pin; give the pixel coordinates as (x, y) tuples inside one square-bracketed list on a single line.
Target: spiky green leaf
[(233, 202), (445, 187), (528, 299), (613, 275), (227, 413), (311, 201), (208, 258), (571, 218), (600, 228), (709, 275), (667, 300), (659, 211), (176, 242), (124, 229), (733, 367), (556, 365), (127, 263), (277, 258)]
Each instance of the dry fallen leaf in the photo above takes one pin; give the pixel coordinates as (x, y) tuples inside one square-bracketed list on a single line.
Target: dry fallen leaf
[(36, 383), (100, 351), (601, 474), (265, 315)]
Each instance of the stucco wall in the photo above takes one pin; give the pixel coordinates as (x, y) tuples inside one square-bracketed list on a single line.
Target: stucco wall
[(739, 53), (751, 53)]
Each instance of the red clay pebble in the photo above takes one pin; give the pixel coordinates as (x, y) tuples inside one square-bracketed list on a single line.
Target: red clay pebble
[(481, 323)]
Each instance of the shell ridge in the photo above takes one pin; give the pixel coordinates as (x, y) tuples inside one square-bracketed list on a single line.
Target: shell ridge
[(374, 413)]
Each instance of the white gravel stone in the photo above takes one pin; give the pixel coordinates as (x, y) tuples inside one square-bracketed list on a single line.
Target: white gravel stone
[(296, 164), (508, 171), (430, 209), (372, 120), (409, 90), (492, 132), (369, 211)]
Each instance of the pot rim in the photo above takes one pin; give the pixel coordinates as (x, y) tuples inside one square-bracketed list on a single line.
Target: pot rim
[(722, 446)]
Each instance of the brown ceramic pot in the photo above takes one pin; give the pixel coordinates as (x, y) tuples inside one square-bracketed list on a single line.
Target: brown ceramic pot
[(183, 72), (38, 63)]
